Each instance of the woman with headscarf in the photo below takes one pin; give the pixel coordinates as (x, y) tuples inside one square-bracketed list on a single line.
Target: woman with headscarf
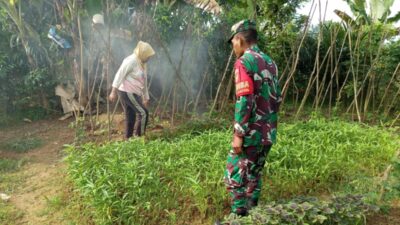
[(131, 83)]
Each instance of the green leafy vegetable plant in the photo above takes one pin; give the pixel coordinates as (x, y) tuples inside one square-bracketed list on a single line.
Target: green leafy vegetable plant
[(177, 180)]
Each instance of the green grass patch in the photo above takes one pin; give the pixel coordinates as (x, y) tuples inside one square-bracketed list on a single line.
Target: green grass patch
[(9, 165), (56, 203), (391, 186), (9, 214), (175, 181), (22, 145), (64, 206), (9, 182)]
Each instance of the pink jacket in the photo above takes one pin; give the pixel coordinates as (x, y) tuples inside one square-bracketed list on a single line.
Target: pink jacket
[(132, 78)]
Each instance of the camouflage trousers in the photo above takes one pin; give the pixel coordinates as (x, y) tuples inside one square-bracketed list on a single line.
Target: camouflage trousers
[(243, 177)]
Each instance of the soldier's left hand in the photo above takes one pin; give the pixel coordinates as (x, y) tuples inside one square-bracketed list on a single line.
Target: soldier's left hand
[(237, 144)]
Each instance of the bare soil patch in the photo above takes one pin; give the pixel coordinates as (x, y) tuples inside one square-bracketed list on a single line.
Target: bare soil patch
[(43, 173)]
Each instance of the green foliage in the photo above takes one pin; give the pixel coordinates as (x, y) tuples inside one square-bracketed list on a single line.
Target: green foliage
[(38, 79), (25, 94), (278, 13), (30, 64), (26, 77), (236, 11), (385, 68), (158, 181), (93, 6), (379, 10), (174, 178), (321, 155), (345, 210), (167, 23)]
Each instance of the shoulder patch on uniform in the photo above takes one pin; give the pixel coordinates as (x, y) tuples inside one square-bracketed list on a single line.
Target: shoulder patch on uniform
[(243, 82)]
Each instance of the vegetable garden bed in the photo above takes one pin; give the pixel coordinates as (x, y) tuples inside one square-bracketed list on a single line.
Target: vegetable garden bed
[(174, 182)]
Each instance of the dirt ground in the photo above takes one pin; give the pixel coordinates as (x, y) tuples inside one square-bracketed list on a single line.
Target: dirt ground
[(42, 173), (393, 218), (43, 176)]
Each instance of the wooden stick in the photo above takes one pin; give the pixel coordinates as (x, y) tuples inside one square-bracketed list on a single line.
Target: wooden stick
[(227, 91), (220, 83), (200, 90), (388, 86), (296, 59), (395, 120)]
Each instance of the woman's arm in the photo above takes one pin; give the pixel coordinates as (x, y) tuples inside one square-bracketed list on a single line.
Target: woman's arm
[(146, 96), (123, 70), (121, 73)]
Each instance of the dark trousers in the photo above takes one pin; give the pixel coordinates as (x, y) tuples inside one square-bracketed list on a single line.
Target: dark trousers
[(136, 115)]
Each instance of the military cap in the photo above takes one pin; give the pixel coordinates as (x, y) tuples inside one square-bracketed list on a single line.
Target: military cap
[(243, 25)]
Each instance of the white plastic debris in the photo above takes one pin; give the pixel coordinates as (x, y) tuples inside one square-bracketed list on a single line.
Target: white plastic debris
[(27, 120), (4, 197)]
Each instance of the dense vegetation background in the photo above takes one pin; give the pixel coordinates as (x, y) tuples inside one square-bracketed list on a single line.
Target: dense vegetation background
[(348, 67), (338, 138)]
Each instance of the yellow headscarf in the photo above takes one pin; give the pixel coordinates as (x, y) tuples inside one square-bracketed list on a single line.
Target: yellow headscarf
[(143, 51)]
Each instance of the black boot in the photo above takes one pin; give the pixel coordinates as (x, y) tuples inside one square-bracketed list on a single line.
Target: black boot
[(243, 213), (252, 203)]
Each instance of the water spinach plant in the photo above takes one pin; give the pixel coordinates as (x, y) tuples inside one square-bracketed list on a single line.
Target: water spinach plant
[(181, 180)]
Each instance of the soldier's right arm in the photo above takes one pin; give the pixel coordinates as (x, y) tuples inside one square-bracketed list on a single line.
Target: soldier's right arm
[(245, 97)]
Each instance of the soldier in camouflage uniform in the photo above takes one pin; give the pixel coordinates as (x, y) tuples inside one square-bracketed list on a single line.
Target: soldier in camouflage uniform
[(258, 97)]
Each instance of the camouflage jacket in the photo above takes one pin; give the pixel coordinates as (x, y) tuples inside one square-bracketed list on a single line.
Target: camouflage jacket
[(258, 97)]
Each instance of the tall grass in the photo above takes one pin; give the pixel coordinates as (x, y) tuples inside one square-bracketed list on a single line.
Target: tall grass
[(172, 182)]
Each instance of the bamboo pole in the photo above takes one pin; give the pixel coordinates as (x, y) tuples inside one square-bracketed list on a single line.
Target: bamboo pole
[(335, 71), (395, 120), (387, 109), (107, 73), (188, 92), (173, 104), (374, 62), (200, 90), (225, 98), (320, 36), (370, 84), (81, 63), (177, 72), (220, 84), (388, 86), (311, 82), (296, 59), (354, 80)]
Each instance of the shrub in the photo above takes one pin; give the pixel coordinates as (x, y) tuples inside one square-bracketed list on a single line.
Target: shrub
[(349, 209)]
